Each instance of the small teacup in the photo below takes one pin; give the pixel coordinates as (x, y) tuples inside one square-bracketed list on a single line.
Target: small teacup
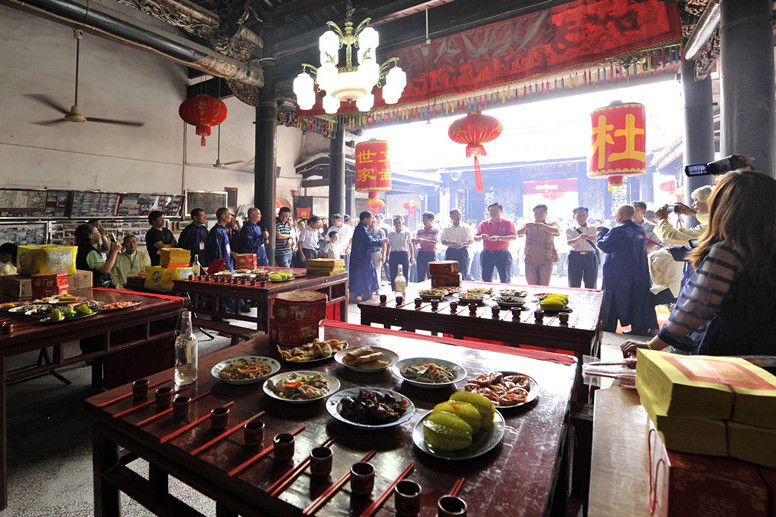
[(284, 446), (321, 461), (362, 478), (253, 432), (163, 397), (140, 388), (219, 417), (407, 498), (181, 406), (451, 506)]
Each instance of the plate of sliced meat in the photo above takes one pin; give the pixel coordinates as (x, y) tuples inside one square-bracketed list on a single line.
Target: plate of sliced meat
[(505, 389), (117, 306), (366, 359)]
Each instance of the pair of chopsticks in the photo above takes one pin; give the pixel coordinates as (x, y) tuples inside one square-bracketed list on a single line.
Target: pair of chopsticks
[(289, 477), (168, 410), (253, 459), (322, 499), (372, 508), (122, 397), (223, 435), (145, 404), (190, 425), (457, 487)]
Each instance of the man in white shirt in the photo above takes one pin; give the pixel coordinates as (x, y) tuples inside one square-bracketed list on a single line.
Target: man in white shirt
[(310, 238), (583, 256), (649, 229), (400, 249), (458, 237)]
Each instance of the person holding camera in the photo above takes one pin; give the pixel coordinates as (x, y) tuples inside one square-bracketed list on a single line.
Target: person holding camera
[(681, 236), (728, 303)]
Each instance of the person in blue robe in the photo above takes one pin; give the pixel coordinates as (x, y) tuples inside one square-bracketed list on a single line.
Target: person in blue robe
[(218, 247), (626, 280), (362, 277), (252, 238), (194, 236)]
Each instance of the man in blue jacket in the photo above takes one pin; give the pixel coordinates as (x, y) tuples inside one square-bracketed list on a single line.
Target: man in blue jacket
[(194, 236)]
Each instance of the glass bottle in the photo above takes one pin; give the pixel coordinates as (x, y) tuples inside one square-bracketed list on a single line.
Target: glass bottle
[(400, 283), (186, 352), (196, 266)]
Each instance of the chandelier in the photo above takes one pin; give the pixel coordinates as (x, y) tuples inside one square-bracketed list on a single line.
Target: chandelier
[(349, 82)]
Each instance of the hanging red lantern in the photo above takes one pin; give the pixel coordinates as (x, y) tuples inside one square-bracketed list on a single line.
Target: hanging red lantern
[(373, 170), (668, 186), (202, 111), (619, 143), (474, 130), (411, 206)]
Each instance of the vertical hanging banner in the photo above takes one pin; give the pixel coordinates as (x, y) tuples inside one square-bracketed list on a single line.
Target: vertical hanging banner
[(373, 170), (618, 143)]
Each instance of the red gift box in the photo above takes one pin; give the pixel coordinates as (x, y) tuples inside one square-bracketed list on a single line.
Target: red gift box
[(442, 267), (48, 285), (682, 484), (245, 261), (453, 280)]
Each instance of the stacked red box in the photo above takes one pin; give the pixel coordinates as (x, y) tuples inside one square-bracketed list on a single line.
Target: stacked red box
[(49, 284), (684, 484), (245, 261), (446, 280), (297, 316), (442, 268)]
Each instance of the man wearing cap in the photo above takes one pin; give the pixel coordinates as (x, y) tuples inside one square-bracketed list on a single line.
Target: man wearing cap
[(458, 237)]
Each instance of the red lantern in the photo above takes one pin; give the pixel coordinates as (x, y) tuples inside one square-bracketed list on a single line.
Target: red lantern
[(202, 111), (374, 205), (668, 186), (474, 130), (619, 143), (411, 206)]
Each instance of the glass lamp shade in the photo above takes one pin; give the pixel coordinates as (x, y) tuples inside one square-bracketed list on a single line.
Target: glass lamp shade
[(365, 102), (348, 86), (390, 96), (330, 104), (396, 79), (370, 72), (328, 43), (327, 76), (304, 88), (368, 38)]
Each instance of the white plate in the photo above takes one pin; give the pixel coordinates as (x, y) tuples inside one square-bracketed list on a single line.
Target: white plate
[(311, 361), (509, 302), (472, 297), (458, 371), (533, 391), (480, 445), (390, 356), (333, 406), (333, 385), (273, 365)]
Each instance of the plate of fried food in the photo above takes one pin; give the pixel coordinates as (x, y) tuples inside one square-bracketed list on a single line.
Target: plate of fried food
[(428, 372), (469, 297), (432, 294), (505, 389), (366, 359), (370, 408), (248, 369), (312, 352), (480, 290), (301, 387)]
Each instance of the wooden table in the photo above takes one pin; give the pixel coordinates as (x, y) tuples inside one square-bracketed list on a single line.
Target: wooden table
[(335, 287), (516, 478), (619, 479), (582, 334), (131, 342)]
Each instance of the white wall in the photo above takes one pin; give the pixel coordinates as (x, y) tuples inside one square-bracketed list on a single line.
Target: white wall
[(38, 57)]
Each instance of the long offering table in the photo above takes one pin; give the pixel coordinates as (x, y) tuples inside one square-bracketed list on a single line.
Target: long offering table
[(127, 343), (516, 478), (581, 334), (220, 287)]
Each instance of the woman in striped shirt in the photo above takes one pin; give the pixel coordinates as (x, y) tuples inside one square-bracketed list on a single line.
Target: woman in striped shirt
[(729, 305)]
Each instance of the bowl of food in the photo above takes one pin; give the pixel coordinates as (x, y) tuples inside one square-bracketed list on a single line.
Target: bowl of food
[(366, 359), (248, 369), (301, 387), (370, 408), (427, 372)]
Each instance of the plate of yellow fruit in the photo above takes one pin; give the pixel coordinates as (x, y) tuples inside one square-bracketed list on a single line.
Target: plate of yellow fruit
[(464, 427)]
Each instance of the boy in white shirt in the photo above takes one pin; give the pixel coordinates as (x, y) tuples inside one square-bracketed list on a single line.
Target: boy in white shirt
[(332, 249)]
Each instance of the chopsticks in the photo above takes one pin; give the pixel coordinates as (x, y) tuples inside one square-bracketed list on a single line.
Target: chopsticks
[(329, 493), (457, 487), (145, 404), (167, 411), (286, 479), (189, 426), (223, 435), (250, 461), (122, 397), (372, 508)]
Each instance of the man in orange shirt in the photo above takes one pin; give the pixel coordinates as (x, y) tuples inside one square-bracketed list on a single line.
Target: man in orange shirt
[(495, 235)]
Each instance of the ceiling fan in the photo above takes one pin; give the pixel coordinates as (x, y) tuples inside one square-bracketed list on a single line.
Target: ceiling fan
[(218, 163), (74, 113)]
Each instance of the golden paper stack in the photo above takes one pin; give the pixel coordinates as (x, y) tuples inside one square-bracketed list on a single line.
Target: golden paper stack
[(174, 257), (324, 267), (720, 406)]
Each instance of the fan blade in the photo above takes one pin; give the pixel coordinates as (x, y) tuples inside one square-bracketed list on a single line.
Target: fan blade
[(232, 163), (113, 121), (49, 122), (47, 102)]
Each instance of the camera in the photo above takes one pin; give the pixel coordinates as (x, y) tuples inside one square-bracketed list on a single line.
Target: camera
[(721, 166), (670, 208)]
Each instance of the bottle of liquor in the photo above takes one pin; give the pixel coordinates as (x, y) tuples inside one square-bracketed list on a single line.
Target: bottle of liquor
[(186, 352), (400, 283), (196, 266)]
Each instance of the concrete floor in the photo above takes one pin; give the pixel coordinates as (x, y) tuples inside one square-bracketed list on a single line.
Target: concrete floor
[(49, 444)]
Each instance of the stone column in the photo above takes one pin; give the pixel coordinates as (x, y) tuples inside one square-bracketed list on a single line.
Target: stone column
[(337, 172), (265, 182)]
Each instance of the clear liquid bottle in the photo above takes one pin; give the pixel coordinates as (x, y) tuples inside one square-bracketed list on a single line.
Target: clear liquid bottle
[(196, 266), (186, 352), (399, 283)]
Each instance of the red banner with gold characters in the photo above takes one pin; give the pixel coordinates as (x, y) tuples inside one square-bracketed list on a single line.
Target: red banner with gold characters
[(373, 167), (618, 142)]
